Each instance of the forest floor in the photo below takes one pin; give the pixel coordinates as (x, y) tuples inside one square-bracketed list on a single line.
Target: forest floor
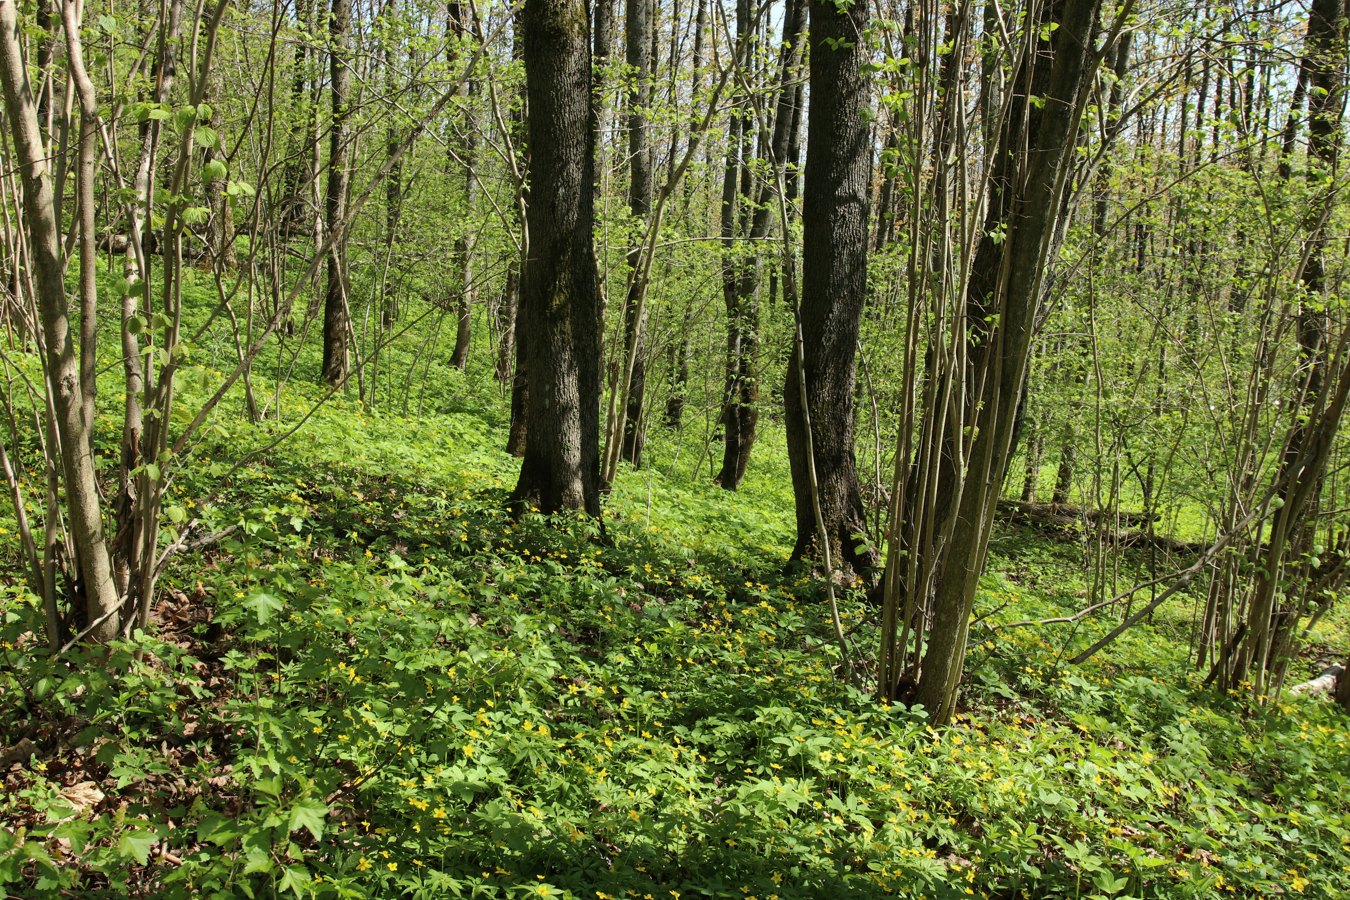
[(378, 685)]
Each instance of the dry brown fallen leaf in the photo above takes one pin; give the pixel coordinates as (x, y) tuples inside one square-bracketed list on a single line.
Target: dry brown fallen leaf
[(83, 796)]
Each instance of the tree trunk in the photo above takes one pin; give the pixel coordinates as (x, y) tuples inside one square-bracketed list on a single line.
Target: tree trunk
[(1026, 200), (1342, 694), (638, 32), (741, 280), (678, 359), (393, 204), (511, 352), (1031, 479), (220, 233), (520, 395), (1276, 604), (85, 519), (86, 172), (602, 47), (738, 411), (294, 206), (464, 245), (506, 326), (134, 485), (336, 311), (834, 287), (560, 301)]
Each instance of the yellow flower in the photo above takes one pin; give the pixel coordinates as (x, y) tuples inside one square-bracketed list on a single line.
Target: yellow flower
[(393, 867), (363, 865)]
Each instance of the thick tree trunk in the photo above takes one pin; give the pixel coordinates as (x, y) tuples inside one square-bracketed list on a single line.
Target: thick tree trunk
[(834, 287), (560, 302), (336, 311), (85, 519)]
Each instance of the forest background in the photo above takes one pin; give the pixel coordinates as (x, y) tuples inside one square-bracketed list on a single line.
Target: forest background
[(1017, 331)]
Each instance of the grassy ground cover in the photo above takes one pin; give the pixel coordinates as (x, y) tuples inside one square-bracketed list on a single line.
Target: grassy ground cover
[(378, 685)]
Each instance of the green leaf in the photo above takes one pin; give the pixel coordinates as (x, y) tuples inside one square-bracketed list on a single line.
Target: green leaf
[(296, 879), (206, 137), (257, 860), (1110, 884), (217, 829), (137, 844), (214, 171), (264, 605), (309, 814)]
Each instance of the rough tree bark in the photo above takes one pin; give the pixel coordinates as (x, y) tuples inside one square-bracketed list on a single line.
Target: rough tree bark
[(1342, 694), (464, 244), (336, 312), (85, 519), (560, 299), (638, 32), (740, 286), (679, 350), (834, 285), (739, 415), (295, 215), (1026, 199), (1264, 654), (511, 353)]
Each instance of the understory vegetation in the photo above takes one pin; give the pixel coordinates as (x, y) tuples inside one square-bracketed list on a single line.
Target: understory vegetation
[(378, 684), (672, 449)]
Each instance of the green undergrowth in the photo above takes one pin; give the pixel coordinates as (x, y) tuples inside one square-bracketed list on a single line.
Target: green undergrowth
[(376, 684)]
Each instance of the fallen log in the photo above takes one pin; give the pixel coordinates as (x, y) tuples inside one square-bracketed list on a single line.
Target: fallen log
[(1066, 520), (1324, 684)]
